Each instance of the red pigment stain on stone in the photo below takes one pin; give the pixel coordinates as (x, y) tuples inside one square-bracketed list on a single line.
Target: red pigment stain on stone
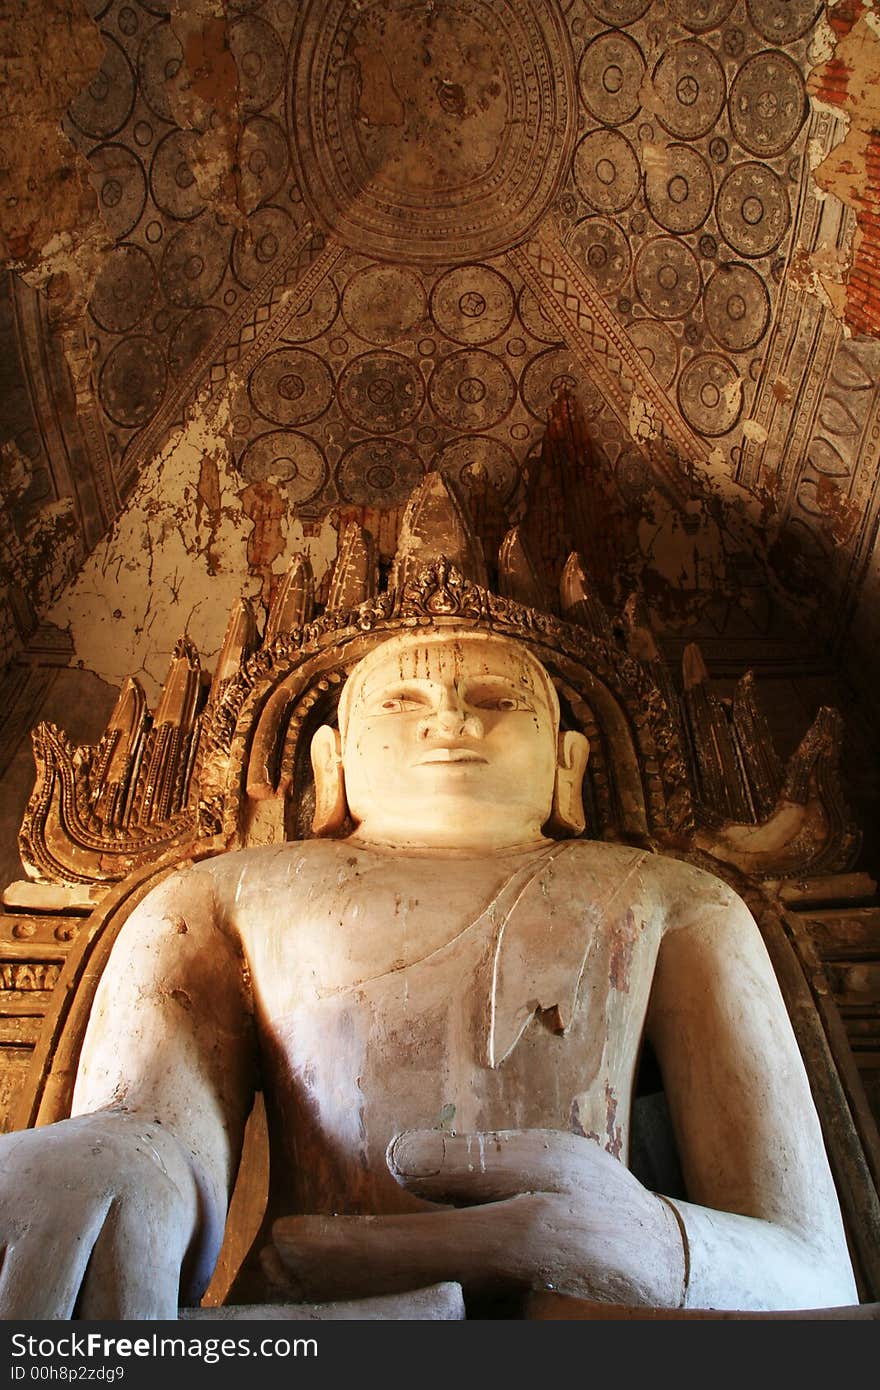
[(623, 934), (614, 1142)]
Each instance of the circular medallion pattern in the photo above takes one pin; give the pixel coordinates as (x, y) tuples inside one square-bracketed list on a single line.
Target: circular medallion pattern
[(710, 394), (689, 80), (263, 158), (736, 306), (610, 78), (172, 181), (472, 304), (753, 209), (286, 457), (378, 473), (193, 263), (679, 188), (430, 134), (259, 61), (782, 21), (191, 336), (381, 391), (633, 476), (269, 231), (131, 383), (315, 316), (533, 318), (667, 276), (619, 12), (471, 389), (606, 170), (124, 289), (382, 303), (476, 459), (546, 376), (768, 103), (601, 247), (159, 61), (291, 387), (105, 104), (656, 344), (119, 182), (700, 15)]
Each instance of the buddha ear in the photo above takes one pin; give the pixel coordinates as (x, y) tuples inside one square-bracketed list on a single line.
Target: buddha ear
[(567, 816), (330, 804)]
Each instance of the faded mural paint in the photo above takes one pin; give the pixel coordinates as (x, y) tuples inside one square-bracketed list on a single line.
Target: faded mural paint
[(188, 544)]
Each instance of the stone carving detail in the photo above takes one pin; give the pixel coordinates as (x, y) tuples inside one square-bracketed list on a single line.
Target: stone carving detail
[(29, 975), (667, 276), (710, 394), (96, 813), (610, 77), (459, 155), (291, 386), (737, 306), (174, 778), (689, 81), (601, 248), (471, 389), (753, 209), (606, 171), (768, 103), (381, 391), (382, 303), (472, 304), (782, 21), (378, 472), (678, 189)]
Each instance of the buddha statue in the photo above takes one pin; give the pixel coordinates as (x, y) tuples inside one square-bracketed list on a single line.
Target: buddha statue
[(444, 1007)]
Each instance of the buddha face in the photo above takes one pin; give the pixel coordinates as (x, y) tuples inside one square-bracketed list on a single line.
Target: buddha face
[(449, 741)]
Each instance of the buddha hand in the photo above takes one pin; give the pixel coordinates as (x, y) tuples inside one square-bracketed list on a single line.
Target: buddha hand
[(96, 1216), (531, 1209)]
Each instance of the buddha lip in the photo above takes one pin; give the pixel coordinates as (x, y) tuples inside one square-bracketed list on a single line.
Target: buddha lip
[(446, 754)]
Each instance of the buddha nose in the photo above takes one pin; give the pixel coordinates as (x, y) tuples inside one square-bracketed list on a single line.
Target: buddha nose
[(452, 717)]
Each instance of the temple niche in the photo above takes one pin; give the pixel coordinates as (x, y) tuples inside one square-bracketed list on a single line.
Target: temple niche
[(571, 307)]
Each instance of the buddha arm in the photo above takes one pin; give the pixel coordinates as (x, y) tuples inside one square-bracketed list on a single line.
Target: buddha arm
[(169, 1042), (763, 1223)]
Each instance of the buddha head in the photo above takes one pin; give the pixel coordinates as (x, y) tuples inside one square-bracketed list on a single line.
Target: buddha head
[(449, 739)]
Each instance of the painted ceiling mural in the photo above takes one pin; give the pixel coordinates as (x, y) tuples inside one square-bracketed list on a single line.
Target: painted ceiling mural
[(322, 247)]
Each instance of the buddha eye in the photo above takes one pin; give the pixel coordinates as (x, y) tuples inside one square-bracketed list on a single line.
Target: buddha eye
[(401, 704), (500, 702)]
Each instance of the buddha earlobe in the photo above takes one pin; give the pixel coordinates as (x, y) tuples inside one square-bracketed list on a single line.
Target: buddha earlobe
[(567, 815), (330, 804)]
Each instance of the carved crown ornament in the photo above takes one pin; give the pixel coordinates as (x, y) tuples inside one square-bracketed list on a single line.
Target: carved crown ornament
[(224, 766)]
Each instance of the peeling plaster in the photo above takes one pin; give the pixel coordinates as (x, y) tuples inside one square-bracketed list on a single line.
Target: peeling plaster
[(847, 82), (178, 557), (205, 97), (50, 227), (754, 430), (642, 421)]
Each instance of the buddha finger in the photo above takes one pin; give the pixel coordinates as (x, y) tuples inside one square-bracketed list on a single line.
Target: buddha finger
[(43, 1268), (498, 1164), (134, 1269), (482, 1248)]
